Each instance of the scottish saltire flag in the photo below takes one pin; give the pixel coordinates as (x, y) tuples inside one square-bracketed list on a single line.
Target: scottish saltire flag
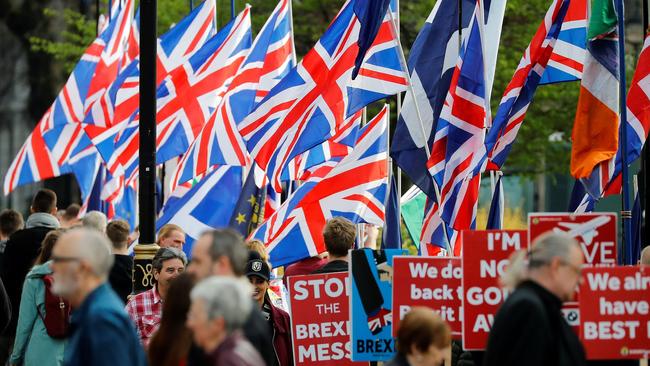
[(520, 91), (580, 201), (248, 209), (595, 129), (208, 205), (355, 189), (497, 206), (606, 177), (328, 152), (188, 96), (458, 153), (219, 141), (567, 61), (121, 99), (392, 235), (304, 109)]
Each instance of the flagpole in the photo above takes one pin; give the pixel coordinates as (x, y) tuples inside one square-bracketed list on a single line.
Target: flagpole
[(146, 248), (398, 172), (232, 9), (191, 5), (409, 88), (645, 156), (293, 42), (626, 214)]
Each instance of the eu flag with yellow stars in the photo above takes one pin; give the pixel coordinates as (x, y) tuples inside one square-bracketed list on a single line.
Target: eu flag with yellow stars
[(248, 210)]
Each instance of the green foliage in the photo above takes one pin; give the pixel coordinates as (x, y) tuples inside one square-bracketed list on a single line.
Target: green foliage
[(553, 108), (552, 111), (71, 42)]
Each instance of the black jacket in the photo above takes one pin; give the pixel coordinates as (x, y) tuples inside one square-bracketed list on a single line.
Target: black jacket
[(529, 329), (5, 308), (121, 276), (256, 330), (22, 249)]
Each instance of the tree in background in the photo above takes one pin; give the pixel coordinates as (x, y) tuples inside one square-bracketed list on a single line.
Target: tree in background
[(551, 113)]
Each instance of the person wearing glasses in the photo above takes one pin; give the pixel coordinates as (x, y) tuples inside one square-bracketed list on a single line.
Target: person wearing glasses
[(145, 309), (529, 328), (100, 331)]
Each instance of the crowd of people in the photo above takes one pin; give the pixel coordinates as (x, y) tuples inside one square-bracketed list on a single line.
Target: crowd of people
[(66, 298)]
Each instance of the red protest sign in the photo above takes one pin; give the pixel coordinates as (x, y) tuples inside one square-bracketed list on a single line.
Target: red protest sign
[(615, 312), (485, 256), (320, 319), (596, 232), (433, 282)]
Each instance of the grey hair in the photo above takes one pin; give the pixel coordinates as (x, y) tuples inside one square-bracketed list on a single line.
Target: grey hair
[(225, 297), (548, 246), (230, 244), (165, 254), (95, 248), (95, 220)]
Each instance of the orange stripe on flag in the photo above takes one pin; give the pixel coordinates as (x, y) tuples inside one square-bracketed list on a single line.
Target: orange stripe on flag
[(595, 134)]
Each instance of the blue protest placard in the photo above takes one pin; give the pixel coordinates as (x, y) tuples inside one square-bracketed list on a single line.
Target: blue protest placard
[(371, 277)]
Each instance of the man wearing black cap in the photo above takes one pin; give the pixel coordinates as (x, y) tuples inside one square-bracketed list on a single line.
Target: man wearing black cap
[(259, 274)]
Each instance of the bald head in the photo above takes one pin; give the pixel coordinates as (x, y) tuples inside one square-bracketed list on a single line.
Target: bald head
[(645, 256), (90, 247)]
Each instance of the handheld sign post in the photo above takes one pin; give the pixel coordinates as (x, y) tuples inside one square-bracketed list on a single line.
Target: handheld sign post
[(615, 310), (433, 282), (485, 257), (371, 277), (320, 319)]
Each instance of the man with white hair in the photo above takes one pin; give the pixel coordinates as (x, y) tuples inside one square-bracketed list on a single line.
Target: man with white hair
[(100, 331), (529, 328), (220, 307), (95, 220)]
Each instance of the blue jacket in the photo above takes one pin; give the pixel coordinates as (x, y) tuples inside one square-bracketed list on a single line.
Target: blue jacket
[(32, 345), (102, 333)]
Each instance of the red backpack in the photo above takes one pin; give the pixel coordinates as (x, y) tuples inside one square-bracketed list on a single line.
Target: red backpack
[(57, 312)]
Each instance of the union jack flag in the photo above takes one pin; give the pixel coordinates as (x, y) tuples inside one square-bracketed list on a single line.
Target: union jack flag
[(458, 153), (33, 163), (606, 177), (521, 90), (121, 100), (219, 142), (68, 107), (432, 239), (356, 189), (187, 96), (567, 61), (304, 109), (109, 63), (338, 146)]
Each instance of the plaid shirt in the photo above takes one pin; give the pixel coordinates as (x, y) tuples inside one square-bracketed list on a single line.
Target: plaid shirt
[(145, 309)]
